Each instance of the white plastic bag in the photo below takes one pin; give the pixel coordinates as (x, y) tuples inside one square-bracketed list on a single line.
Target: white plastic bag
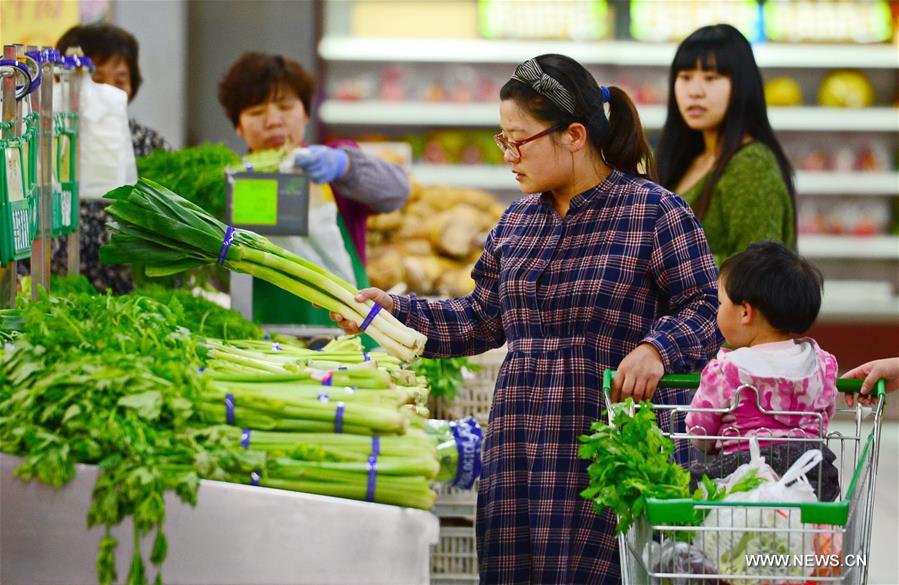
[(757, 462), (677, 557), (105, 152), (732, 548)]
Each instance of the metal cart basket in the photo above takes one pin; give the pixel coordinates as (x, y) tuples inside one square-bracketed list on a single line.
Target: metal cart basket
[(760, 542)]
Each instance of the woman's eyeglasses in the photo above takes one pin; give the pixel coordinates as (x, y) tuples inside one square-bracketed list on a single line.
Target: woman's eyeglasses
[(512, 146)]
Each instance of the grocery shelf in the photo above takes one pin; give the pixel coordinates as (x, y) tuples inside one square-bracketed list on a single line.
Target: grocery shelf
[(847, 183), (479, 176), (381, 113), (810, 183), (849, 247), (622, 53), (886, 311), (809, 118), (374, 112)]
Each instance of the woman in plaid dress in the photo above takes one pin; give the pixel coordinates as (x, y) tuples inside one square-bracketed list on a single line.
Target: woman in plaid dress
[(598, 268)]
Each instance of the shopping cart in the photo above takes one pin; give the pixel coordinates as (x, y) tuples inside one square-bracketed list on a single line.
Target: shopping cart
[(809, 542)]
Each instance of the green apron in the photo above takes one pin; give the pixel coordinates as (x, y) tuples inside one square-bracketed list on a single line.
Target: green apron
[(275, 306), (272, 305)]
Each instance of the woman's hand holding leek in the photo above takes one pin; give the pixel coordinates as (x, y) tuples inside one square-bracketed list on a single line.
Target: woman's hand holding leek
[(374, 294)]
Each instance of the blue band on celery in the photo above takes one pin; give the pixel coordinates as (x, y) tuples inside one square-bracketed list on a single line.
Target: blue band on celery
[(255, 476), (229, 408), (366, 356), (245, 438), (375, 309), (226, 243), (201, 370), (326, 380), (277, 346), (342, 368), (323, 397), (468, 435), (373, 469), (338, 417)]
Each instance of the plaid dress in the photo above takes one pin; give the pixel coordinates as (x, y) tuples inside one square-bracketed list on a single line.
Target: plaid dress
[(571, 296)]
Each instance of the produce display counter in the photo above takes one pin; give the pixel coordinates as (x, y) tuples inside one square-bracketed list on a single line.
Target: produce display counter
[(236, 535)]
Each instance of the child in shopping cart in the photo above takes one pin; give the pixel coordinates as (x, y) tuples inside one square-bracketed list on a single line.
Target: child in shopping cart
[(768, 297)]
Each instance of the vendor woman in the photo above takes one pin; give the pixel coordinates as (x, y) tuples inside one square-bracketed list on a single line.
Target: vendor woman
[(268, 100)]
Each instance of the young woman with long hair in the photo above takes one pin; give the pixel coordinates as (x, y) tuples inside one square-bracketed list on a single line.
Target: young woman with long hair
[(717, 149)]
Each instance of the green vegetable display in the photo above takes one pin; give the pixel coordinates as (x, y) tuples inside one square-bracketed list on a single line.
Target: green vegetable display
[(119, 382), (196, 172), (109, 381), (445, 376), (168, 234), (202, 316)]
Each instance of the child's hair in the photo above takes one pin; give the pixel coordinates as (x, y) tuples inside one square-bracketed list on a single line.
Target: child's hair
[(778, 282), (619, 138)]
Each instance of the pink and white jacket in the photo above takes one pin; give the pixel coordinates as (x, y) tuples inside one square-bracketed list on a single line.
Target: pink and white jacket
[(794, 375)]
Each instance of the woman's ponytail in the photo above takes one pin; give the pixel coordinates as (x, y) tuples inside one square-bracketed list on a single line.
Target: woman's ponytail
[(626, 148)]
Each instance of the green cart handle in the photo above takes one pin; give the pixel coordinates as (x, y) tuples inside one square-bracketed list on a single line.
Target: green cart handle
[(844, 385)]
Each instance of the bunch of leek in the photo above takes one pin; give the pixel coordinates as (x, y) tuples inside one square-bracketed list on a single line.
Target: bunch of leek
[(168, 234)]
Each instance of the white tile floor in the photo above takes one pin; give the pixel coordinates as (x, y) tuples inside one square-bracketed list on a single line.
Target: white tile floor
[(884, 558)]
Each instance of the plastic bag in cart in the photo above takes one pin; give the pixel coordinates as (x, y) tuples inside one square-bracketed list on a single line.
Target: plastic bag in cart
[(756, 462), (678, 557), (732, 548)]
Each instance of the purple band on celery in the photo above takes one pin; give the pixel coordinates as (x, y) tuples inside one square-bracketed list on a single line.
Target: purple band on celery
[(229, 408), (366, 356), (375, 309), (255, 476), (226, 243), (342, 368), (468, 435), (277, 346), (201, 370), (329, 376), (323, 397), (338, 417), (373, 469), (245, 438)]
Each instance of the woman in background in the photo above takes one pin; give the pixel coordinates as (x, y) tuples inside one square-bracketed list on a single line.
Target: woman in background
[(114, 52), (717, 149)]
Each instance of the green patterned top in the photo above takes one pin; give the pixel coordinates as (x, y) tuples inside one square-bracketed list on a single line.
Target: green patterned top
[(750, 202)]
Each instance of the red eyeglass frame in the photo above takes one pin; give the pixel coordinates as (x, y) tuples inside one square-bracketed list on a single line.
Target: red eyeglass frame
[(505, 144)]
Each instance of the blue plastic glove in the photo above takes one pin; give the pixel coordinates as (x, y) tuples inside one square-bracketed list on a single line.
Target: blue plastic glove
[(322, 164)]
